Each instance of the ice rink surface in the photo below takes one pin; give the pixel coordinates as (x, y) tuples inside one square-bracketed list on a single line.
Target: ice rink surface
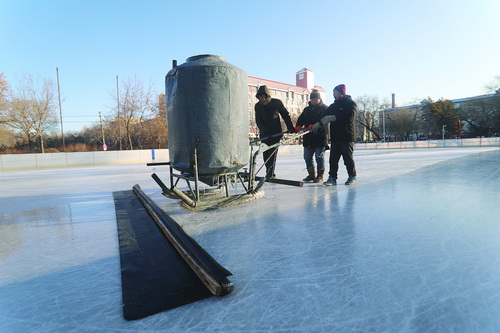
[(414, 246)]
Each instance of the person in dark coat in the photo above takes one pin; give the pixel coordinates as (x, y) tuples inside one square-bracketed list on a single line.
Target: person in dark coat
[(342, 118), (315, 144), (267, 116)]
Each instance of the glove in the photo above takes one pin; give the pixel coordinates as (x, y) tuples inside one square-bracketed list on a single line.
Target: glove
[(328, 119), (310, 127), (297, 128), (317, 126)]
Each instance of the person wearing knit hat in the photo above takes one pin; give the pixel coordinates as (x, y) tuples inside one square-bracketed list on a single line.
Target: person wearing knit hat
[(341, 115), (315, 143), (267, 117), (340, 88), (315, 94)]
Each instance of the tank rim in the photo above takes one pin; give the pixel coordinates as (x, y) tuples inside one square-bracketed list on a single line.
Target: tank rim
[(201, 56)]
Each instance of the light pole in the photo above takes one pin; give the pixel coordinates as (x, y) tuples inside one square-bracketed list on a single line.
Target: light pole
[(118, 111), (104, 146), (60, 109), (444, 128), (393, 105), (383, 123)]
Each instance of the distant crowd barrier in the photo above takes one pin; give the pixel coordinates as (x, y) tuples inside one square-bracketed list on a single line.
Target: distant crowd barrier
[(53, 160), (448, 143)]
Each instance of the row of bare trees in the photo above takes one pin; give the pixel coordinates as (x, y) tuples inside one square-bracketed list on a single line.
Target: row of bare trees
[(429, 119), (29, 119), (30, 109)]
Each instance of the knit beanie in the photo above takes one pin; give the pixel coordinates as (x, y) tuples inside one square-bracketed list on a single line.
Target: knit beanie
[(315, 94), (340, 88)]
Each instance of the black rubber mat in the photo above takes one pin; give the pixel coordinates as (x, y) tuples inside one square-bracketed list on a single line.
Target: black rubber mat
[(154, 276)]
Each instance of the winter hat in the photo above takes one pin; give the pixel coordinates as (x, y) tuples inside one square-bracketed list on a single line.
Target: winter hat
[(263, 90), (315, 94), (340, 88)]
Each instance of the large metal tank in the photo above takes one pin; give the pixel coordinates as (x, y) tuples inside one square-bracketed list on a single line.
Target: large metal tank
[(207, 109)]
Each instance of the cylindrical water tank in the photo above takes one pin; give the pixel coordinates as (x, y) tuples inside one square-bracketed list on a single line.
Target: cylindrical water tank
[(207, 109)]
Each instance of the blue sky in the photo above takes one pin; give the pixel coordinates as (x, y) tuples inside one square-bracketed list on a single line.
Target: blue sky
[(415, 49)]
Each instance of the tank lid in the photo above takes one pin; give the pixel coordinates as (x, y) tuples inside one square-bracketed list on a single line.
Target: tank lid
[(203, 56)]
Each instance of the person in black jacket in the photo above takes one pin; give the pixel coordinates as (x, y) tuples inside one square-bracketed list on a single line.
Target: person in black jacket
[(342, 118), (315, 144), (267, 116)]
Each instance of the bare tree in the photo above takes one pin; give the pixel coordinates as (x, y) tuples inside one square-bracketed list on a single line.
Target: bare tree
[(438, 114), (494, 85), (93, 136), (32, 109), (403, 123), (7, 138), (4, 94), (154, 132), (481, 116), (137, 102), (370, 108)]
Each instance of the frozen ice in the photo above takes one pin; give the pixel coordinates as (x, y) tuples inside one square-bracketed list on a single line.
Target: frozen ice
[(413, 246)]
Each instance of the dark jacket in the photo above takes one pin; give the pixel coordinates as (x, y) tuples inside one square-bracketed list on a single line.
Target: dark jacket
[(343, 129), (267, 116), (310, 116)]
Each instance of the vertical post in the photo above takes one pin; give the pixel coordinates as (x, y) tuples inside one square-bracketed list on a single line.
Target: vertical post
[(225, 183), (251, 167), (197, 190), (104, 146), (383, 123), (393, 105), (60, 109), (444, 127), (118, 112), (171, 175)]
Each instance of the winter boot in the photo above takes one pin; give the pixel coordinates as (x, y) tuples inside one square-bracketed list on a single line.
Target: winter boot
[(331, 181), (319, 177), (351, 180), (311, 176)]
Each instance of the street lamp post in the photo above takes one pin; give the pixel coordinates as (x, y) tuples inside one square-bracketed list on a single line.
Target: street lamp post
[(118, 112), (60, 109), (444, 129), (104, 146), (383, 123)]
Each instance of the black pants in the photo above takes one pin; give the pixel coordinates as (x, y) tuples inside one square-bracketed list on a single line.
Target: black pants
[(270, 156), (346, 150)]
